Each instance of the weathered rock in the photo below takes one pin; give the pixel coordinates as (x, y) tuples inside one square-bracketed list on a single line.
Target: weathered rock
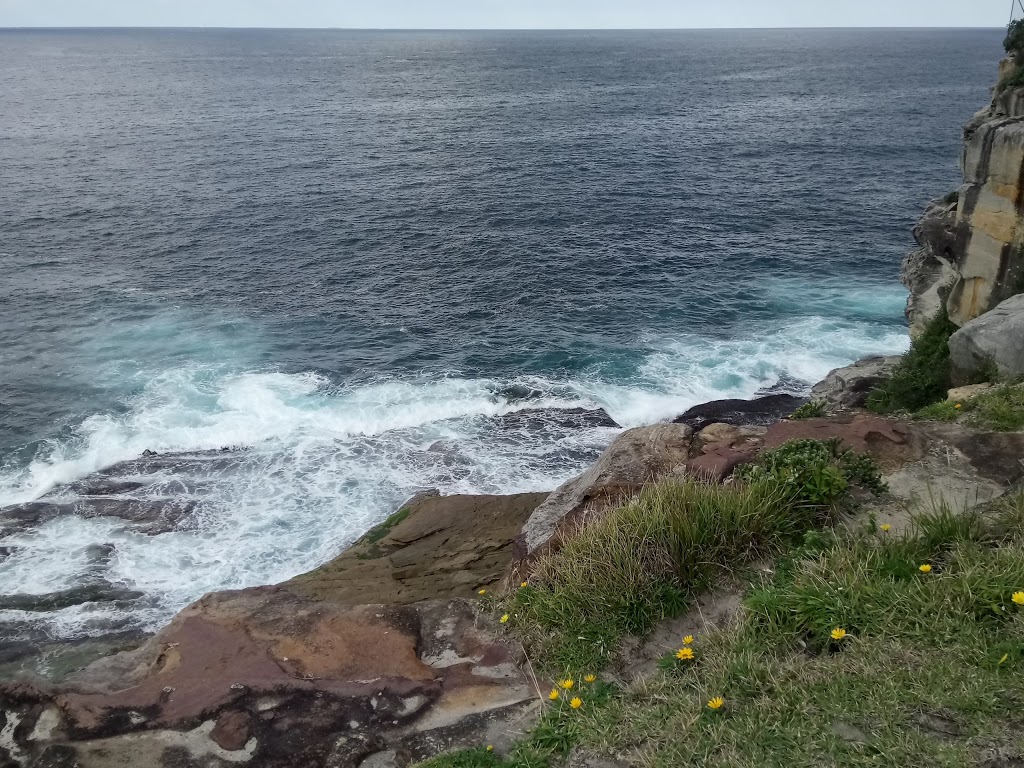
[(566, 418), (719, 448), (966, 392), (996, 337), (441, 546), (849, 387), (636, 457), (265, 677), (759, 411), (54, 601), (971, 256), (890, 443)]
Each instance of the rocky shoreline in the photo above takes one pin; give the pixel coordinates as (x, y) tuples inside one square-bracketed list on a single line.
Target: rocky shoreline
[(389, 653)]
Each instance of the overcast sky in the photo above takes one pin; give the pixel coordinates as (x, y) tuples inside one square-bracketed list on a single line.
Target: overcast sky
[(487, 14)]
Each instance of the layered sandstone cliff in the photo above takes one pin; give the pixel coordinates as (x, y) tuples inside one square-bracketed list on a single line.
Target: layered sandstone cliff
[(971, 243)]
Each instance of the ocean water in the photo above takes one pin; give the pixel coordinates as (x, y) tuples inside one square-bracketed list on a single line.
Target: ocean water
[(351, 254)]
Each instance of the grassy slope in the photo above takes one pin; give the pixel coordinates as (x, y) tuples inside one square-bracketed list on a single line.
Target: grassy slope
[(931, 672)]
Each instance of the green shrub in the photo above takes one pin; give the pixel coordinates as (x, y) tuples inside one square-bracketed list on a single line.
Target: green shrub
[(1013, 43), (814, 471), (809, 410), (922, 376)]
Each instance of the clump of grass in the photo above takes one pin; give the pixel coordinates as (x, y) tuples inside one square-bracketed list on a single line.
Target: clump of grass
[(922, 376), (942, 411), (814, 471), (638, 564), (1000, 409), (809, 410)]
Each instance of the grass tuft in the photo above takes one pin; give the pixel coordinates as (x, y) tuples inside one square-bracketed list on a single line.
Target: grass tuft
[(922, 376), (809, 410), (1000, 409)]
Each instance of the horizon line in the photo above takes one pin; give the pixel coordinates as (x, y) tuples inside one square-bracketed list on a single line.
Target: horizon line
[(483, 29)]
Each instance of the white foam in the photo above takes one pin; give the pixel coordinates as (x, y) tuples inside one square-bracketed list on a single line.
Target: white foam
[(325, 463)]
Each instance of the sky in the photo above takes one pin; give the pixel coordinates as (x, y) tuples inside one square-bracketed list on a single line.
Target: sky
[(514, 14)]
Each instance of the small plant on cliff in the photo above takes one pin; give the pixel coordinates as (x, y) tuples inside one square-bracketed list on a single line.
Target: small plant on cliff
[(1013, 43), (922, 376), (809, 410), (814, 471)]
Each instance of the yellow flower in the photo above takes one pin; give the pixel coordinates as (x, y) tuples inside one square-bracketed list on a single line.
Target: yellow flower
[(490, 747), (525, 584), (504, 619), (482, 592), (925, 568), (886, 527), (838, 633), (576, 703), (1018, 598), (589, 678), (1005, 657), (684, 654), (567, 683), (688, 639), (716, 703), (957, 406), (553, 695)]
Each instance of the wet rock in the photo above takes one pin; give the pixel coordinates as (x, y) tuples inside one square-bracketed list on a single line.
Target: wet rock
[(636, 457), (536, 419), (149, 516), (54, 601), (759, 411), (849, 387), (442, 546)]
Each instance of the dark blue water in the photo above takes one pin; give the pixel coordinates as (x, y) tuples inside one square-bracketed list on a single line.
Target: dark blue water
[(341, 250)]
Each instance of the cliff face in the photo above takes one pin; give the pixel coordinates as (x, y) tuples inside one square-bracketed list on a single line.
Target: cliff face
[(971, 243)]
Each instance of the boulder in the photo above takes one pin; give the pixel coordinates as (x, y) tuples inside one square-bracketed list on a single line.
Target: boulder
[(636, 457), (759, 411), (995, 337), (966, 392), (849, 387)]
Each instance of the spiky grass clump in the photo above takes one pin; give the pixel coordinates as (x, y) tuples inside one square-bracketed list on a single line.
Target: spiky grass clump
[(922, 376), (638, 565)]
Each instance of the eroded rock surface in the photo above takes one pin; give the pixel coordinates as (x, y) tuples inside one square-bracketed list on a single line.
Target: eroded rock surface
[(849, 387)]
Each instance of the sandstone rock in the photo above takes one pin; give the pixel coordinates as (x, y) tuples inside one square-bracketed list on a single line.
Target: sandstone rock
[(720, 448), (966, 392), (759, 411), (849, 387), (636, 457), (890, 443), (930, 271), (995, 337), (440, 546)]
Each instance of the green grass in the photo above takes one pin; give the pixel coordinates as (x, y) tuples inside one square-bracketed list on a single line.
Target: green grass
[(931, 671), (922, 376), (809, 410), (381, 530), (943, 411), (1000, 409)]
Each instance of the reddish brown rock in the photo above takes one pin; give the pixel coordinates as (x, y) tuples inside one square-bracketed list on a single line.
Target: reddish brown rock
[(891, 443), (232, 730)]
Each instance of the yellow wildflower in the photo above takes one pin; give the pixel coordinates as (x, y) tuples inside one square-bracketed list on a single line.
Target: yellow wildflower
[(1005, 657), (567, 683), (554, 694), (525, 584), (687, 640), (838, 633), (589, 678), (716, 703), (482, 592), (576, 703), (1018, 598), (958, 406), (685, 654), (490, 747), (886, 527), (924, 568), (504, 619)]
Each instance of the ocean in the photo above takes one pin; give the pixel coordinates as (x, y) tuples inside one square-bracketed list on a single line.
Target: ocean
[(349, 256)]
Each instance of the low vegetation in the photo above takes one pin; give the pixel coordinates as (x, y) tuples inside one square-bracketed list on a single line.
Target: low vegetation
[(1000, 409), (1013, 43), (809, 410), (869, 647), (922, 376)]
